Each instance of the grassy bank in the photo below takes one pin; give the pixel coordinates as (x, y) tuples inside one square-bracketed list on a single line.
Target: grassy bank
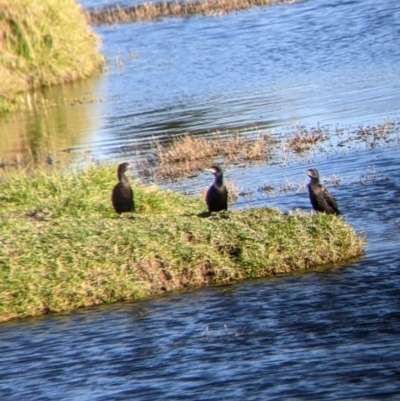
[(42, 43), (62, 247), (154, 11)]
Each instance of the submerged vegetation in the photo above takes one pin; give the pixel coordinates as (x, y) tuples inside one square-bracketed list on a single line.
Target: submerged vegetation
[(43, 43), (184, 156), (303, 139), (63, 247), (153, 11)]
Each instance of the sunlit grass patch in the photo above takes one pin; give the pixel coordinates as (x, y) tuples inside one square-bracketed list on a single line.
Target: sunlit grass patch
[(42, 43), (81, 193), (74, 251)]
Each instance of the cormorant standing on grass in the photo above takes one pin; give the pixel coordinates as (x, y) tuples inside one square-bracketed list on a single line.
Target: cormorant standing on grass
[(122, 194), (217, 194), (321, 199)]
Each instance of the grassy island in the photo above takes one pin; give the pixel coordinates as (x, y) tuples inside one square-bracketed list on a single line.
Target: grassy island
[(43, 43), (62, 246)]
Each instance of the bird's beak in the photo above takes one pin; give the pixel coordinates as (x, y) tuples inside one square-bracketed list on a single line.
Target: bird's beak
[(210, 170)]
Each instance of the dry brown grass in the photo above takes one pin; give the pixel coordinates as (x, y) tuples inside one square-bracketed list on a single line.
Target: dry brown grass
[(371, 136), (186, 148), (168, 9), (187, 155), (303, 139)]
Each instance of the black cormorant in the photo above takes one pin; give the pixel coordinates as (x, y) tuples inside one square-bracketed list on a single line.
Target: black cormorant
[(217, 194), (122, 194), (321, 199)]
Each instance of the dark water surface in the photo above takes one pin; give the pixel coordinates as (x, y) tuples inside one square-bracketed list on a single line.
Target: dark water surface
[(330, 334)]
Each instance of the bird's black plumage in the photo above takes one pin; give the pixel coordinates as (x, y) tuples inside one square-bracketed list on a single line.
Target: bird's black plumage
[(122, 194), (321, 199), (217, 194)]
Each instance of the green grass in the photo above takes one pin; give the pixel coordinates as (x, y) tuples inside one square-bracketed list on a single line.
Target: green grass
[(62, 246), (42, 43)]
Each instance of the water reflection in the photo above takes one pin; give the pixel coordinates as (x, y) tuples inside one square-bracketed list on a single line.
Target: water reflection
[(62, 119), (263, 68)]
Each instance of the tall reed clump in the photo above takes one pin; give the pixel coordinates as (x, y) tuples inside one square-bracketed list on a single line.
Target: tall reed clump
[(62, 246), (42, 43), (188, 154), (168, 9)]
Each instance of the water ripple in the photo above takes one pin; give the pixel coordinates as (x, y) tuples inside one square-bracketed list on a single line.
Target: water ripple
[(332, 333)]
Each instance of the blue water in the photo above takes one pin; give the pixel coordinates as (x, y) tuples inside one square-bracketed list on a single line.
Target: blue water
[(313, 62), (333, 333), (326, 62)]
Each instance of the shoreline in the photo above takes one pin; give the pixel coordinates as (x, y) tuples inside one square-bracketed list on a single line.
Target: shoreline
[(148, 11)]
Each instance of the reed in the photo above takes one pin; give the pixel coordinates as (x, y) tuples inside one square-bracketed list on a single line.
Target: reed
[(63, 247), (303, 139), (188, 154), (43, 43), (169, 9)]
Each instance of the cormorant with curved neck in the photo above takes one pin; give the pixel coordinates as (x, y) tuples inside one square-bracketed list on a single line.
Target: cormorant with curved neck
[(217, 194), (321, 199), (122, 194)]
